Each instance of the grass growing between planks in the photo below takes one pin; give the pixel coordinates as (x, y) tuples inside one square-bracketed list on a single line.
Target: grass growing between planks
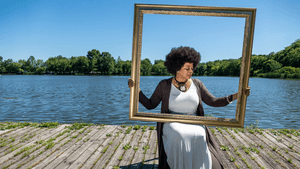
[(26, 144), (279, 144), (13, 125), (245, 147)]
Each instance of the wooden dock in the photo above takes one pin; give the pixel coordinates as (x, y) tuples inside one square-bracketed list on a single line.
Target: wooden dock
[(82, 145)]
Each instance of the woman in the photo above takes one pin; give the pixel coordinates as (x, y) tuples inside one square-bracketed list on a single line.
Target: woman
[(184, 146)]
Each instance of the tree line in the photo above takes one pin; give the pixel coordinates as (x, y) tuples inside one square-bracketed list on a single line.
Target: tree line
[(283, 64), (93, 63)]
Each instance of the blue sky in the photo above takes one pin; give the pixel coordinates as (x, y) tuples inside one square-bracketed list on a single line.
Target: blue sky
[(44, 28)]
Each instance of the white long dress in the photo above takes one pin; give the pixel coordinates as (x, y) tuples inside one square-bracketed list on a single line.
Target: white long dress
[(185, 144)]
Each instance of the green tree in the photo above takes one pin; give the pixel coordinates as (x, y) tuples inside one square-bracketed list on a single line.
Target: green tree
[(94, 56), (99, 64), (257, 64), (159, 68), (40, 63), (290, 56), (146, 67), (108, 63), (57, 64), (40, 67), (73, 66), (23, 63), (209, 65), (126, 68), (119, 66), (160, 60), (6, 63), (14, 67), (230, 67), (234, 67), (63, 64), (82, 64), (40, 70), (52, 64), (224, 68), (200, 70), (271, 65), (2, 68), (288, 70), (30, 65)]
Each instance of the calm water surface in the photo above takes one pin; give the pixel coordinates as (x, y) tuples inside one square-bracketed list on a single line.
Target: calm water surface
[(105, 99)]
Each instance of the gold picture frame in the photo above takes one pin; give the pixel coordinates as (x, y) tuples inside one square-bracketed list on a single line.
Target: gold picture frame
[(141, 9)]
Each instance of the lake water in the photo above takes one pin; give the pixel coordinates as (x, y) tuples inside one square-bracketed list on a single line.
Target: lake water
[(275, 103)]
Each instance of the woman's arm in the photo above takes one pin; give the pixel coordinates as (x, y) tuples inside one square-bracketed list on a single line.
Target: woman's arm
[(154, 100), (235, 95), (210, 99)]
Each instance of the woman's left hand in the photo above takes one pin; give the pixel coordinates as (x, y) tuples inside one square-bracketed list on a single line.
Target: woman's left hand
[(247, 91)]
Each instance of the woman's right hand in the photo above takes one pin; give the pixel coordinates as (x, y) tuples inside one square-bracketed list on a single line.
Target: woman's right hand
[(130, 83)]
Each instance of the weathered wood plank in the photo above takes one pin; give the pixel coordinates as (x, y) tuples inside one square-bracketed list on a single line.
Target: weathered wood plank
[(17, 135), (293, 147), (237, 144), (139, 154), (11, 156), (281, 146), (101, 145), (273, 139), (58, 149), (104, 160), (150, 154), (112, 145), (112, 153), (268, 145), (118, 156), (46, 150), (69, 156), (128, 156), (291, 144), (276, 150), (250, 145), (265, 157), (237, 161), (292, 136), (65, 154), (35, 153), (223, 154), (6, 131), (12, 132), (156, 161), (90, 150)]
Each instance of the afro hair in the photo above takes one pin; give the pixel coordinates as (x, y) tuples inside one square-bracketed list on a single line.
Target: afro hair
[(179, 56)]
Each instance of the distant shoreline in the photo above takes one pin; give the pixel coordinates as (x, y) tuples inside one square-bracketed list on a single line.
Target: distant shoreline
[(286, 78)]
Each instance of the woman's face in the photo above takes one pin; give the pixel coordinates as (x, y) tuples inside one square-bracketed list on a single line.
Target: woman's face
[(185, 72)]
